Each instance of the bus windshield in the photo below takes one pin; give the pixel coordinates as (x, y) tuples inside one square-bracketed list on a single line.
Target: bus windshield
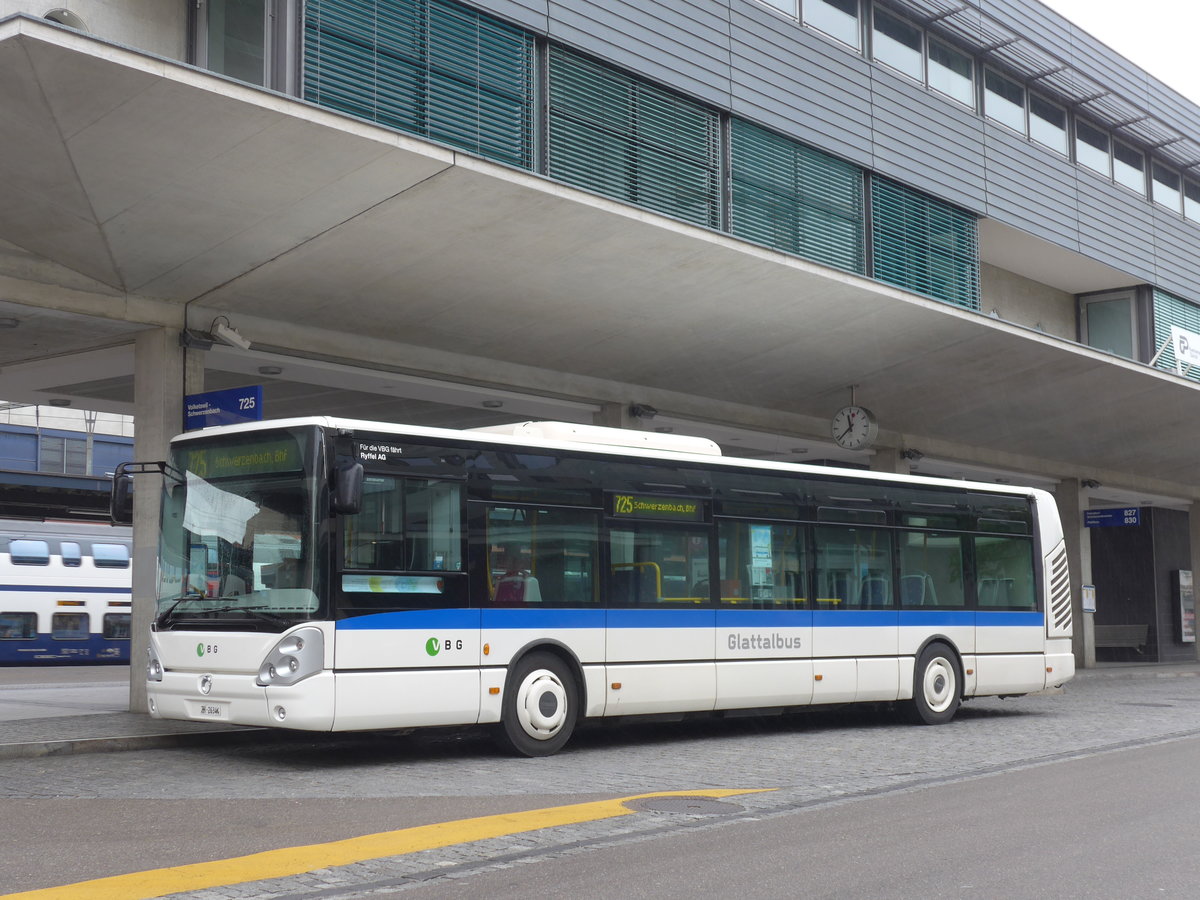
[(237, 535)]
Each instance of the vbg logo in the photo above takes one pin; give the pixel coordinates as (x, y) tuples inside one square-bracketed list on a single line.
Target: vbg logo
[(434, 646)]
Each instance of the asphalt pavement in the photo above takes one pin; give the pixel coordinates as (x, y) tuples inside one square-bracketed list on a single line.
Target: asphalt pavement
[(85, 709)]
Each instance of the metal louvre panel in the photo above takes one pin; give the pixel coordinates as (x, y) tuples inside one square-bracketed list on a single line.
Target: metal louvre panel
[(430, 67), (618, 135), (1170, 311), (793, 198), (923, 245), (1060, 594)]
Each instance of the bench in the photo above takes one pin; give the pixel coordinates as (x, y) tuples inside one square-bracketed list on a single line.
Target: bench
[(1132, 637)]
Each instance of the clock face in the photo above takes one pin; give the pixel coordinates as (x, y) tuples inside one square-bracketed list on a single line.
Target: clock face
[(854, 428)]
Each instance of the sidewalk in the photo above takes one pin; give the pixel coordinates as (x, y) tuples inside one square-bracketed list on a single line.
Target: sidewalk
[(84, 709)]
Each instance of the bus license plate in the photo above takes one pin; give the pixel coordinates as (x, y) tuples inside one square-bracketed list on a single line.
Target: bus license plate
[(211, 710)]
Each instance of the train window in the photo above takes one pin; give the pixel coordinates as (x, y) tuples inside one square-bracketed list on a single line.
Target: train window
[(116, 626), (29, 553), (18, 626), (69, 626), (110, 556), (71, 554)]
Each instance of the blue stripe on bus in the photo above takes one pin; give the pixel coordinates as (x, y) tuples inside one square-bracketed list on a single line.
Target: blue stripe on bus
[(59, 589), (418, 619), (549, 618), (543, 618)]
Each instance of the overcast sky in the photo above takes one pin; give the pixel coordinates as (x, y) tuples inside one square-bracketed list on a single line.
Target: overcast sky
[(1158, 35)]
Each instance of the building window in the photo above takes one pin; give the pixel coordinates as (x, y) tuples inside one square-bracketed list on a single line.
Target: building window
[(1091, 148), (1129, 168), (923, 245), (837, 18), (62, 455), (1165, 186), (1168, 311), (624, 137), (1109, 322), (896, 43), (237, 38), (951, 72), (784, 6), (1003, 100), (429, 67), (794, 198), (1048, 124), (1191, 200)]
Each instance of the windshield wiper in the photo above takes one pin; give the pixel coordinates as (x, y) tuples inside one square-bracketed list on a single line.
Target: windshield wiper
[(255, 611)]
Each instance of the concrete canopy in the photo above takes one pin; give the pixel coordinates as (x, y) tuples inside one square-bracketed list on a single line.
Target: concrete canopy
[(136, 192)]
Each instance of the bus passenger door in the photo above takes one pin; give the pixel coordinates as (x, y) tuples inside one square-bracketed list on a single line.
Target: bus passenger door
[(660, 622), (855, 622)]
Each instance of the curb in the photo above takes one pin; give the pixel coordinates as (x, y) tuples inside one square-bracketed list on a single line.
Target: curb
[(36, 749)]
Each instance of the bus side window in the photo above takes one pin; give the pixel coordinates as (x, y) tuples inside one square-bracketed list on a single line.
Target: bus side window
[(541, 555), (1004, 571), (72, 555)]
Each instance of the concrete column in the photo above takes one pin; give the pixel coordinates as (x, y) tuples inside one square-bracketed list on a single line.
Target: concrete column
[(1071, 503), (888, 459), (1194, 535), (159, 382)]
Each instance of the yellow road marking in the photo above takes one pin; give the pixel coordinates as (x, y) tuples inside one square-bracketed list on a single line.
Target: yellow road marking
[(298, 860)]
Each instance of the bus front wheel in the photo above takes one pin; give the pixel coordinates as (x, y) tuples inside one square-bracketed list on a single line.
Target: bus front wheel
[(540, 706), (936, 686)]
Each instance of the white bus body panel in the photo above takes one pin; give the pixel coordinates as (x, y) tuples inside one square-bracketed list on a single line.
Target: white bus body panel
[(436, 696), (660, 688), (767, 682), (1014, 673), (663, 660)]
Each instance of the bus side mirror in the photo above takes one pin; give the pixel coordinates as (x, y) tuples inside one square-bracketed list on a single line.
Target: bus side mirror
[(347, 488), (120, 501)]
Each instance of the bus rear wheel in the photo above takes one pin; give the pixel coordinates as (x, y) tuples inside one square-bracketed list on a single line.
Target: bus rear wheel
[(540, 706), (936, 686)]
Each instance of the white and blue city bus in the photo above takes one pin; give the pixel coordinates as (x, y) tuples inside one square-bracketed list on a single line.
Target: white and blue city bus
[(327, 574)]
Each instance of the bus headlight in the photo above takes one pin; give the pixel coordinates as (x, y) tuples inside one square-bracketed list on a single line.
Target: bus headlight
[(298, 656), (154, 669)]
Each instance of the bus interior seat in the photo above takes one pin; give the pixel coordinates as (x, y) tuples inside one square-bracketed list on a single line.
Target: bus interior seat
[(874, 592), (518, 589), (917, 590)]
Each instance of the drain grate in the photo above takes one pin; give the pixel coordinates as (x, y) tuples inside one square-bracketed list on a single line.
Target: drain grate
[(691, 806)]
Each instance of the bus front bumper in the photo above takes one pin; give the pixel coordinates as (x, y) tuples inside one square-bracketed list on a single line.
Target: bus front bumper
[(236, 699)]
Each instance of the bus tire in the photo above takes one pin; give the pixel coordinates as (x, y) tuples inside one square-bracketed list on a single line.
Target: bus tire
[(541, 706), (937, 686)]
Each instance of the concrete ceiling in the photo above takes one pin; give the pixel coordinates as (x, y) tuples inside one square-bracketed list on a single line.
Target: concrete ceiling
[(145, 186)]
